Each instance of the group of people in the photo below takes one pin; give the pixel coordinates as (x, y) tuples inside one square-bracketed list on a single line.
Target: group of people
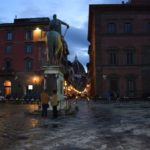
[(44, 98)]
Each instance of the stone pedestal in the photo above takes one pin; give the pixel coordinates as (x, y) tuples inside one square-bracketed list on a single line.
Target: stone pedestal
[(54, 79)]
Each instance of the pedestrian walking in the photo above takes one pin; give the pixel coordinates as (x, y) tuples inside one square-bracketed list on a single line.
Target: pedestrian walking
[(44, 97), (87, 99), (54, 103), (117, 96), (109, 96)]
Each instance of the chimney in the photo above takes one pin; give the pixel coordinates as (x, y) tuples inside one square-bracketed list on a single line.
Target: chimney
[(139, 2), (122, 2)]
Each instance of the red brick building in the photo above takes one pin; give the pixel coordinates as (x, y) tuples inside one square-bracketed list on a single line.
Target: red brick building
[(120, 48), (22, 54)]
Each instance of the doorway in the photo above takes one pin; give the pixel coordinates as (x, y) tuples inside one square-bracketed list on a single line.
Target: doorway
[(7, 87)]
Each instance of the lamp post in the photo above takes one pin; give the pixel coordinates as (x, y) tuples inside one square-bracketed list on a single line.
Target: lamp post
[(35, 89)]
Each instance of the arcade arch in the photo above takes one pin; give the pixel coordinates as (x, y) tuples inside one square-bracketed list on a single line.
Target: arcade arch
[(7, 87)]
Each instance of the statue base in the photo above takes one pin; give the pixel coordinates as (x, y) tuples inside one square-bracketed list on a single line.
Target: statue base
[(54, 79)]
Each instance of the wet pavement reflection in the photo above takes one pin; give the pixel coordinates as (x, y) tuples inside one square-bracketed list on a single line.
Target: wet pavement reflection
[(96, 126), (13, 122)]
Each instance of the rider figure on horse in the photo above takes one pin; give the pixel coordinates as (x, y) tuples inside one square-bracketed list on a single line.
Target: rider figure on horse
[(55, 45), (56, 24)]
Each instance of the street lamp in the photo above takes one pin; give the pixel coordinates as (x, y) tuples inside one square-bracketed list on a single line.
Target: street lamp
[(36, 80), (38, 29)]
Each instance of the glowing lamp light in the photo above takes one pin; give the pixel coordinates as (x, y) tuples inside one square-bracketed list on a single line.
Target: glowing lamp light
[(37, 34), (38, 30), (36, 79)]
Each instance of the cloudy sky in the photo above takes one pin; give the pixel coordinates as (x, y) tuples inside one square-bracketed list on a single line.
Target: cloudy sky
[(73, 12)]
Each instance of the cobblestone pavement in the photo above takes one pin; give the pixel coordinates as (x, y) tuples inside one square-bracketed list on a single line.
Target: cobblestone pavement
[(96, 126)]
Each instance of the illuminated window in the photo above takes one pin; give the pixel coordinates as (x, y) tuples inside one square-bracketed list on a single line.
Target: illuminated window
[(7, 83), (37, 33), (7, 87), (30, 87)]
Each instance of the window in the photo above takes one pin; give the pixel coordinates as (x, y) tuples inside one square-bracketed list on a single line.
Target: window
[(129, 58), (111, 28), (8, 65), (28, 35), (127, 27), (145, 55), (130, 87), (42, 55), (8, 49), (28, 64), (9, 36), (28, 48), (113, 58), (148, 27)]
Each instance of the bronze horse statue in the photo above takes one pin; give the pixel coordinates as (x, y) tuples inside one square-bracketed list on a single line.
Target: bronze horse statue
[(54, 48)]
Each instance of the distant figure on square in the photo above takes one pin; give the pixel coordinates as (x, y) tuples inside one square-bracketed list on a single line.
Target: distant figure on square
[(109, 95), (44, 97), (87, 98), (117, 96), (54, 103), (56, 24)]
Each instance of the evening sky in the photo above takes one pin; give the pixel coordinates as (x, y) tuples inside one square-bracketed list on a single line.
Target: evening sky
[(73, 12)]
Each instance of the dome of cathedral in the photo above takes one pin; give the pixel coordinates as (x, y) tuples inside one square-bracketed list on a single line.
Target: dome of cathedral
[(78, 67)]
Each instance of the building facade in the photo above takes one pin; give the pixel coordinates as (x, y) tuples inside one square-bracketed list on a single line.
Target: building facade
[(119, 36), (22, 53), (79, 75)]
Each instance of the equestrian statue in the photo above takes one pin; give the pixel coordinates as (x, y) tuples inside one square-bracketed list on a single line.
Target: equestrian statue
[(56, 45)]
